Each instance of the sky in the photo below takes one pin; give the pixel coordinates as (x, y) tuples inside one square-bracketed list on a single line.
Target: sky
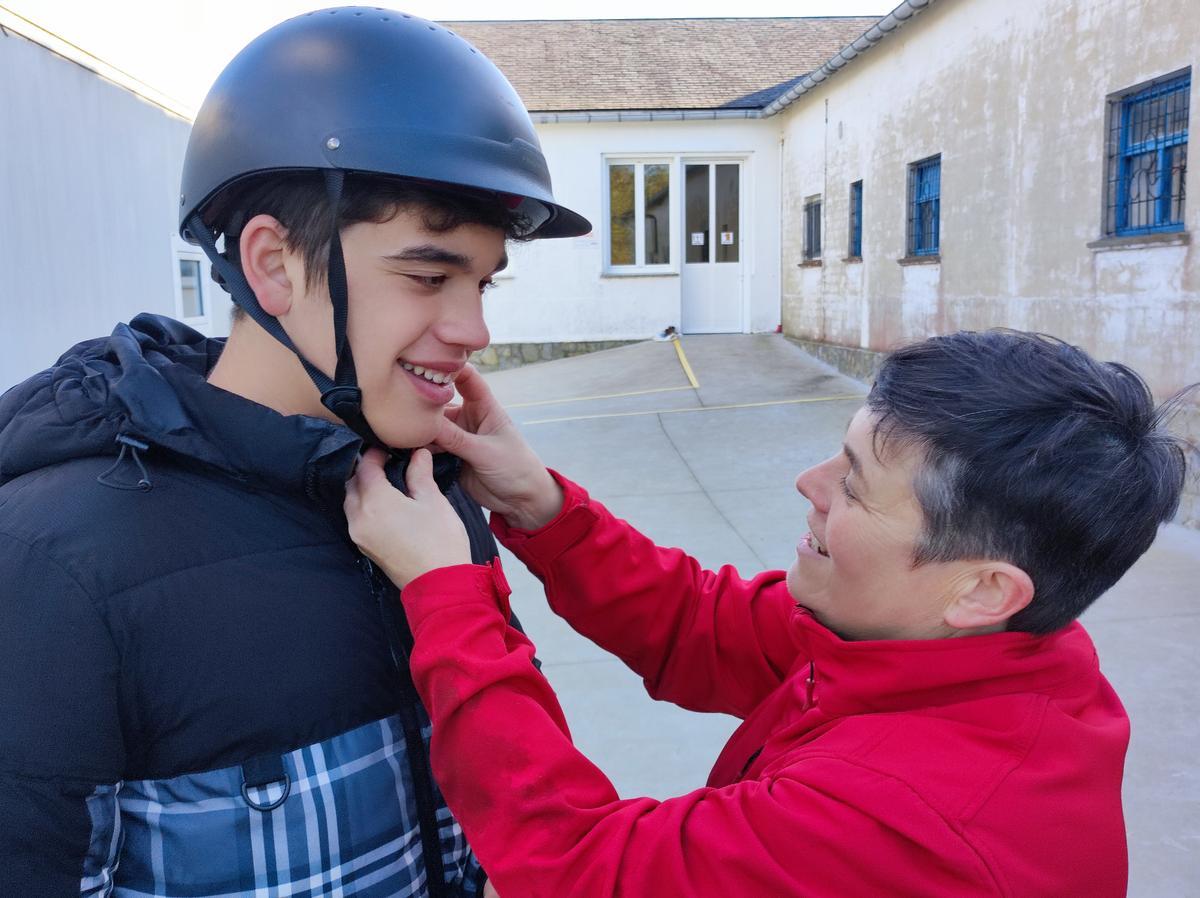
[(179, 47)]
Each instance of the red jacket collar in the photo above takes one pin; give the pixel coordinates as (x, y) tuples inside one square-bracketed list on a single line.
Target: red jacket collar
[(897, 675)]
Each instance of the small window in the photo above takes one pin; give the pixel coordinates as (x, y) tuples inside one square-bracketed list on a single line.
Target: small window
[(855, 250), (812, 229), (191, 289), (639, 214), (1147, 158), (924, 206)]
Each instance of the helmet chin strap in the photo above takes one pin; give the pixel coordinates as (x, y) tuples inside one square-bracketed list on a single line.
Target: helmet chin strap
[(341, 395)]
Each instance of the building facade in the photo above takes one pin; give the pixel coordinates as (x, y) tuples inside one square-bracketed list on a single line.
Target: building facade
[(653, 129), (1019, 164), (640, 269)]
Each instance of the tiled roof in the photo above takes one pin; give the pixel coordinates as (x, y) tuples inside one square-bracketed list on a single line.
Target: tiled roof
[(566, 65)]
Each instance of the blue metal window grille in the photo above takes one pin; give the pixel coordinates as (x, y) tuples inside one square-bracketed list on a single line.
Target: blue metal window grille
[(812, 230), (855, 220), (924, 206), (1147, 170)]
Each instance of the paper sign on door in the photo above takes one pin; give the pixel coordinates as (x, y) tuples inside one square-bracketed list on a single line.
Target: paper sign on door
[(697, 238), (727, 238)]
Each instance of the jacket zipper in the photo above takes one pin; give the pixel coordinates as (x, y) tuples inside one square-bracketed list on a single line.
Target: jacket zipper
[(810, 700)]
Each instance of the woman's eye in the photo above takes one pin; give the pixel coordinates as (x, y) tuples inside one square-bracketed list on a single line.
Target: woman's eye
[(487, 284), (845, 489)]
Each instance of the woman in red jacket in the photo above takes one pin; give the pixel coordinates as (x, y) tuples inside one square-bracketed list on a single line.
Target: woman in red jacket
[(922, 715)]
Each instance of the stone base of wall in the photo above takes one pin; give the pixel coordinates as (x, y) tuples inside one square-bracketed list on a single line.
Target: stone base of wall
[(500, 356), (862, 364)]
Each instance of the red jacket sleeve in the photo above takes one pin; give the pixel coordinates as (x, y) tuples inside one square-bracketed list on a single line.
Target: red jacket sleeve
[(703, 640), (544, 821)]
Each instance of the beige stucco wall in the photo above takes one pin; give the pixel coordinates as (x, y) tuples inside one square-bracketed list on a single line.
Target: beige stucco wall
[(1013, 95)]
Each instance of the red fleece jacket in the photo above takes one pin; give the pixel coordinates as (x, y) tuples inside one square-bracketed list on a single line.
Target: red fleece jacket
[(988, 765)]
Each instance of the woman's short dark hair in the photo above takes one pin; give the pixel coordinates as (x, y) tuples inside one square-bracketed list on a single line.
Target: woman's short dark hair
[(299, 203), (1032, 453)]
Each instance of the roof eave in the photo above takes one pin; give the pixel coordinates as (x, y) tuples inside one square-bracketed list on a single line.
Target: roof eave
[(642, 115), (63, 48)]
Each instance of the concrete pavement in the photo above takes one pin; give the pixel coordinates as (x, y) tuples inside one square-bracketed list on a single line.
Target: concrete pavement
[(711, 469)]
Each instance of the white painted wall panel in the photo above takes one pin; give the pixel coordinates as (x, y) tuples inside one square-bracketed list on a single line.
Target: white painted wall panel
[(558, 290), (89, 185)]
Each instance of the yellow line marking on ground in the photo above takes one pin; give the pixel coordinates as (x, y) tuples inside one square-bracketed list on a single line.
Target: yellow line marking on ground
[(687, 369), (699, 408), (593, 398)]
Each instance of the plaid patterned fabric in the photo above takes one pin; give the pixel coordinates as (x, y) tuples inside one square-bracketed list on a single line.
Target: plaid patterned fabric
[(98, 864), (348, 827)]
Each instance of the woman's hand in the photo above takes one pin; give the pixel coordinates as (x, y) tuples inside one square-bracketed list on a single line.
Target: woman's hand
[(502, 473), (406, 536)]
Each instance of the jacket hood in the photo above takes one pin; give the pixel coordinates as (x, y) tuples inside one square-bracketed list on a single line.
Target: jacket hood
[(147, 381)]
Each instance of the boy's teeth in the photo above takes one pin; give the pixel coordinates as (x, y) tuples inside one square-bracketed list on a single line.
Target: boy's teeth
[(428, 374)]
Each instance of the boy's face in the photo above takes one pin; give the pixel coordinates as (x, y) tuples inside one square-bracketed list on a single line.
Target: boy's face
[(865, 519), (415, 303)]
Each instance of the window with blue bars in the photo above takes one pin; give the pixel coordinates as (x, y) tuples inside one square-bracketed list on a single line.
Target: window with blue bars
[(924, 206), (1147, 158), (812, 229), (855, 221)]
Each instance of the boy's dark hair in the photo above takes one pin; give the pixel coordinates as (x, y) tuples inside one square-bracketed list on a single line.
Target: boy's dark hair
[(1035, 454), (300, 203)]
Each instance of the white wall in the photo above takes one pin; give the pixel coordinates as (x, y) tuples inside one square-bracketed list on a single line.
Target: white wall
[(559, 292), (89, 186), (1013, 96)]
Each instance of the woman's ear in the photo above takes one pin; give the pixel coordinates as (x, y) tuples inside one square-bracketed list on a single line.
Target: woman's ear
[(995, 592), (263, 252)]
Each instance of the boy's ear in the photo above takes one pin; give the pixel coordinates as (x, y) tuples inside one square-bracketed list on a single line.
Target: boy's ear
[(264, 256), (994, 593)]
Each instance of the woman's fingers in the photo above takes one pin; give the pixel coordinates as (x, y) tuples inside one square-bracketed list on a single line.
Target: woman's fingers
[(471, 386), (419, 476), (454, 439), (370, 467)]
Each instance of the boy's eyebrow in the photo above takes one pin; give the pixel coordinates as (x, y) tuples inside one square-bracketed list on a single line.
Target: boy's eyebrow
[(428, 252)]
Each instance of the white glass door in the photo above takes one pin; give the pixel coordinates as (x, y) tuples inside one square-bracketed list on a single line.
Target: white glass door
[(712, 248)]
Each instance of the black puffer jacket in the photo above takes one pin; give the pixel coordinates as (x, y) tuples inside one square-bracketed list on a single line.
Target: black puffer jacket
[(215, 637)]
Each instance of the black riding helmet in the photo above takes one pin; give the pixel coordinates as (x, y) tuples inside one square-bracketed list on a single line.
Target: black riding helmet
[(362, 90)]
